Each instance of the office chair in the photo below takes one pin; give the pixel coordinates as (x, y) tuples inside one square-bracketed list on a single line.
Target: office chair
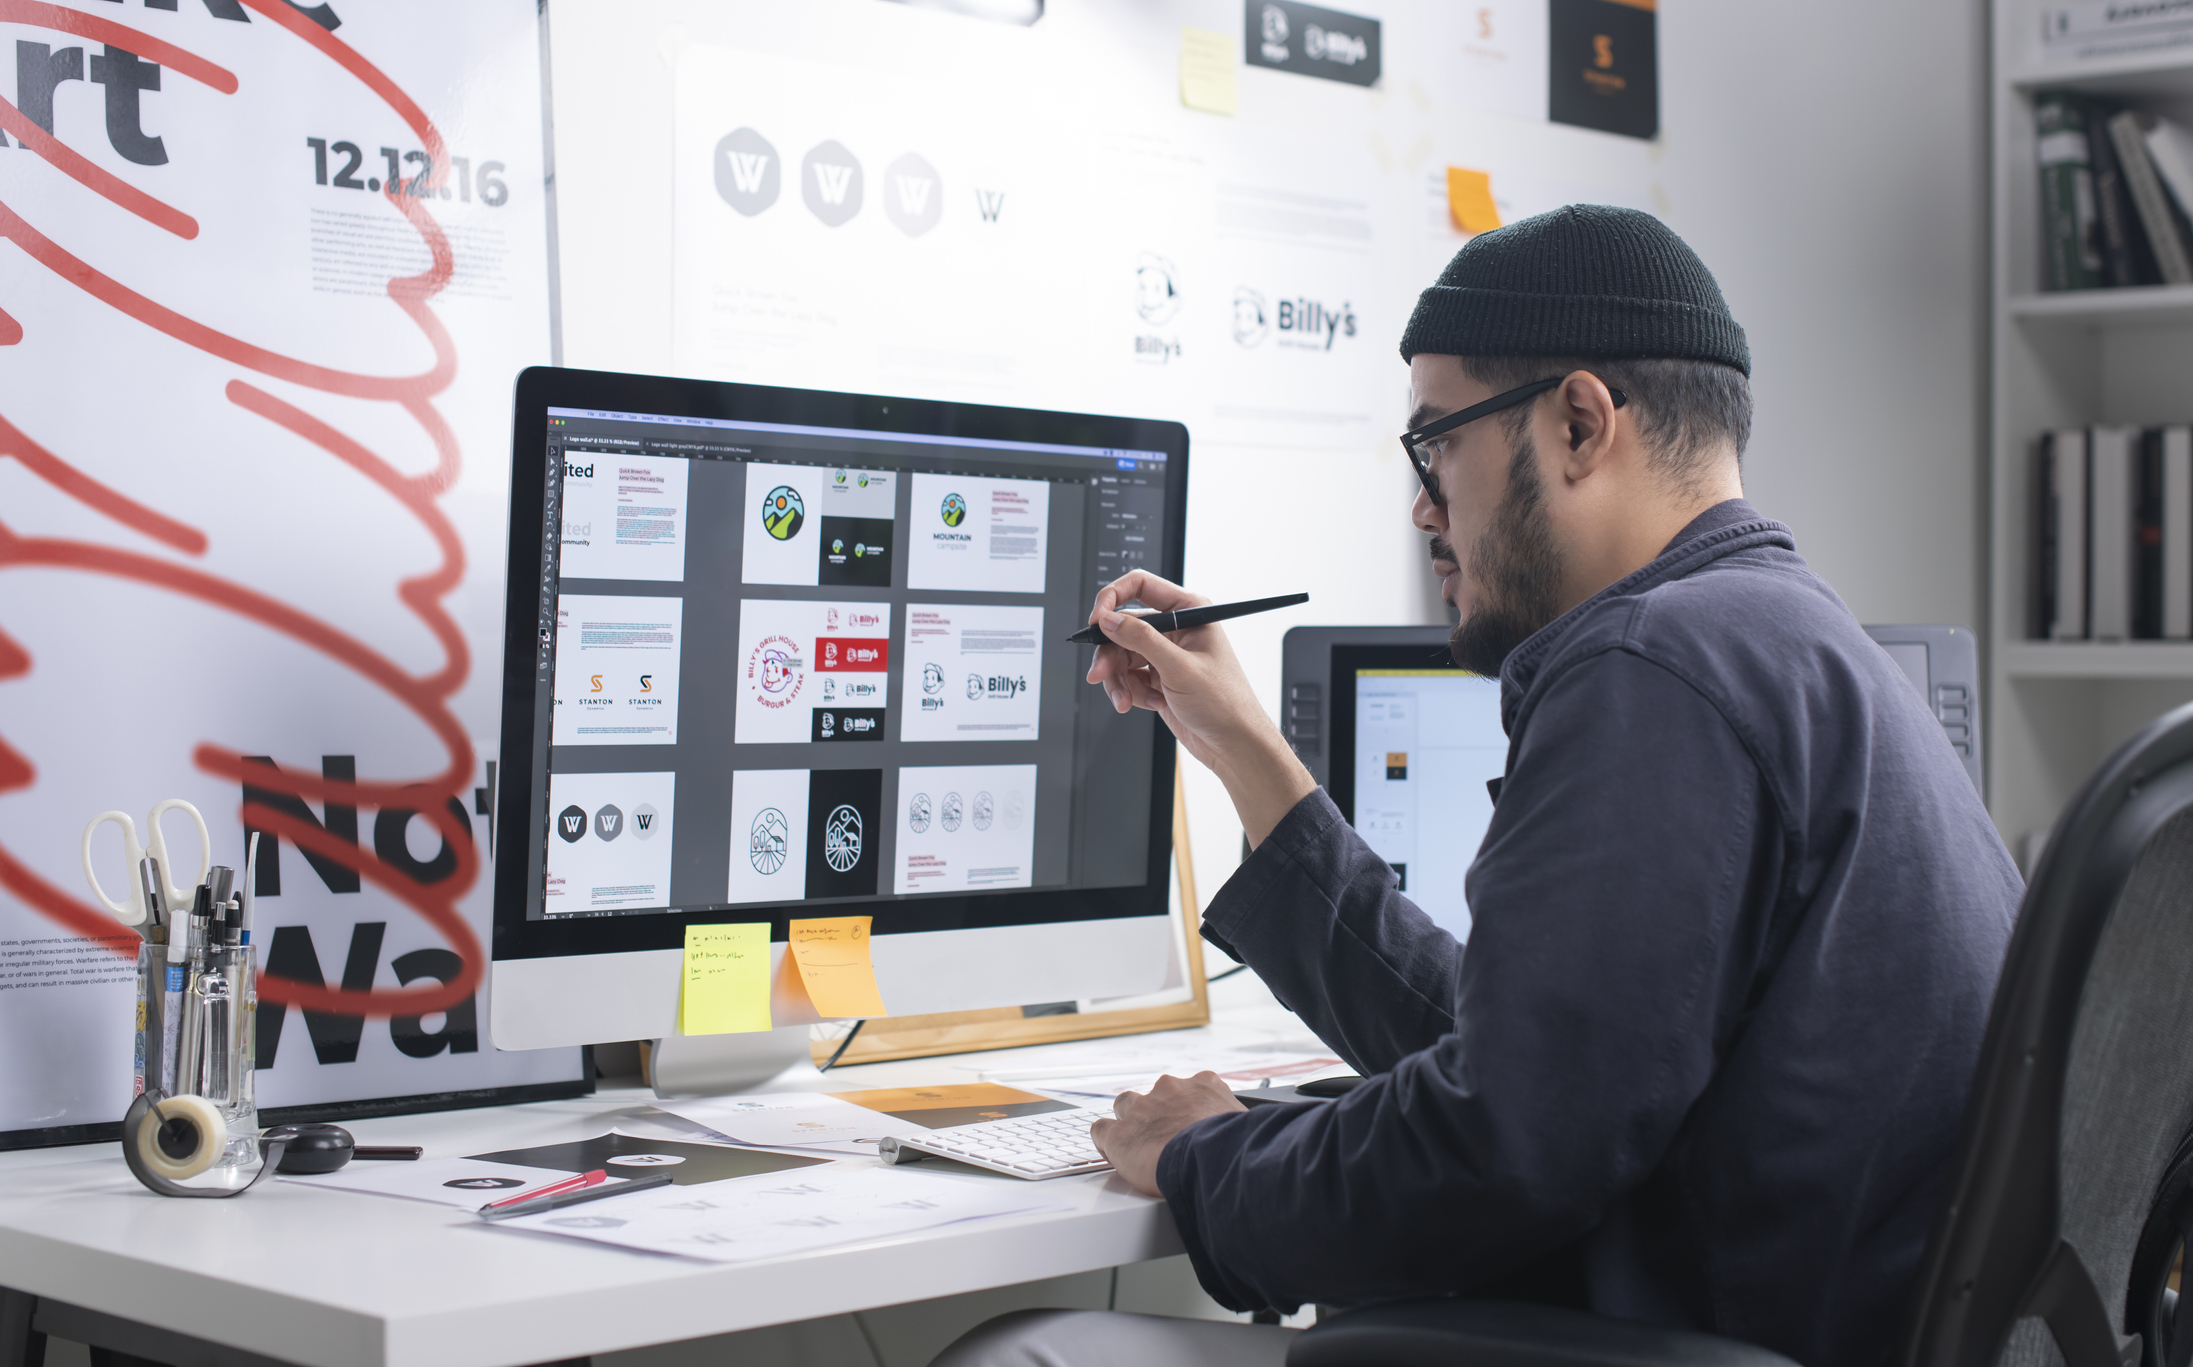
[(2074, 1190)]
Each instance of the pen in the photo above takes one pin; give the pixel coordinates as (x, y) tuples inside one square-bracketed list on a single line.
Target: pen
[(584, 1179), (1183, 618), (535, 1205), (388, 1153)]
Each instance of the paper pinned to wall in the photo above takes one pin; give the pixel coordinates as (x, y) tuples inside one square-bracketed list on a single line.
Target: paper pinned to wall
[(724, 989), (834, 964), (1207, 71), (1469, 200)]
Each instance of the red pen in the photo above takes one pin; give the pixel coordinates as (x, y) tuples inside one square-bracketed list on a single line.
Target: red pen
[(578, 1183)]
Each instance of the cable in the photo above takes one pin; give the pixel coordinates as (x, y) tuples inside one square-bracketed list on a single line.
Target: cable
[(843, 1045), (1237, 968)]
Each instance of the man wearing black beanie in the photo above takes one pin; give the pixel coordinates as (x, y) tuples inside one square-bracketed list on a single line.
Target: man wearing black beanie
[(1736, 922)]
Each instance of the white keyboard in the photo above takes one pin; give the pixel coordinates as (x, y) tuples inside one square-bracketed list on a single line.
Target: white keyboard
[(1054, 1144)]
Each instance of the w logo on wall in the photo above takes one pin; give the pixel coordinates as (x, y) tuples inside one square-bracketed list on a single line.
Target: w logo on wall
[(747, 174), (916, 201), (830, 182)]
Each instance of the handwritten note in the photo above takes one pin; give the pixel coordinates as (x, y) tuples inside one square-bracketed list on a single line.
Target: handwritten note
[(1469, 200), (725, 986), (833, 961), (1207, 71)]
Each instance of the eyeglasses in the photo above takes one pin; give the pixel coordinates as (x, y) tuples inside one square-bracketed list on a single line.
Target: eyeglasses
[(1429, 442)]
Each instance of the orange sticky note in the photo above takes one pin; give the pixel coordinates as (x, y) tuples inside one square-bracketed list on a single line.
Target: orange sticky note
[(832, 954), (1469, 200), (724, 989)]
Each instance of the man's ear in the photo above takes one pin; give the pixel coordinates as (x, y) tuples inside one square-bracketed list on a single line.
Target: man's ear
[(1585, 409)]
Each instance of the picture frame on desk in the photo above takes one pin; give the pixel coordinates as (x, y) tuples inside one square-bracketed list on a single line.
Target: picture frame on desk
[(1010, 1027)]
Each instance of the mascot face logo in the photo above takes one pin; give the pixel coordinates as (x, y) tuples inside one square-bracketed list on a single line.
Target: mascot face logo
[(954, 510), (841, 838), (932, 679), (782, 512)]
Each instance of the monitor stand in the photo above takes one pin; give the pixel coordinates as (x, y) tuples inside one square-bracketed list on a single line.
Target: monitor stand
[(710, 1065)]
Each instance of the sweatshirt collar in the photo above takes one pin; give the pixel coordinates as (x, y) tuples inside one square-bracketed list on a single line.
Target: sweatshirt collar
[(1725, 528)]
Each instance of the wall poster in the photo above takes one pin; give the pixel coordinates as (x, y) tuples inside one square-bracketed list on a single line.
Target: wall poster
[(270, 270)]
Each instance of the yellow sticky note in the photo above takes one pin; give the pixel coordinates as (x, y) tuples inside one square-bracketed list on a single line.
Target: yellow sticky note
[(832, 955), (1469, 200), (1207, 71), (725, 987)]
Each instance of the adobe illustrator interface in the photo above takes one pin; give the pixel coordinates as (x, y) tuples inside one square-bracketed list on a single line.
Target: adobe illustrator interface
[(784, 664)]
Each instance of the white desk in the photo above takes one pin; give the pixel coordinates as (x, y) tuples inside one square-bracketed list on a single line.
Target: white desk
[(327, 1278)]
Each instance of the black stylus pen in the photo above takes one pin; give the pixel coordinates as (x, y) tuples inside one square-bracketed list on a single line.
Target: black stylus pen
[(1184, 618)]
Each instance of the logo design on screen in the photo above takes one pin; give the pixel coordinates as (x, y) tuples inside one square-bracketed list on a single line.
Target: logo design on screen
[(776, 670), (983, 811), (950, 818), (768, 840), (932, 679), (783, 512), (747, 174), (841, 838), (917, 813), (954, 510), (1251, 326), (838, 479)]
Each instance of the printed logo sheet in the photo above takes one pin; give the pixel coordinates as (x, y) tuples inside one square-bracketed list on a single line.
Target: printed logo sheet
[(623, 516), (964, 827), (812, 671), (616, 670), (798, 833), (810, 524), (983, 535), (610, 844), (972, 672)]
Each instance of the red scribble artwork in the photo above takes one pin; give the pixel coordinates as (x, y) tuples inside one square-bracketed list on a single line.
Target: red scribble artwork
[(427, 697)]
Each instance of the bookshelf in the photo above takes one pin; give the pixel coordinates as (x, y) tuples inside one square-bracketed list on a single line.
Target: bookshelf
[(2056, 710)]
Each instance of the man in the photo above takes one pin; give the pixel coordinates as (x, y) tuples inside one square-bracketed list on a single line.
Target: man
[(1736, 921)]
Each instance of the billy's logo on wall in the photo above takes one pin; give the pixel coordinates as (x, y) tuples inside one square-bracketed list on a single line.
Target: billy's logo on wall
[(1301, 323), (1311, 40)]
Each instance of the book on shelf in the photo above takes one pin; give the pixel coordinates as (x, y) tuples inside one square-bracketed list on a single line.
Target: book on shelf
[(2170, 147), (2120, 241), (2112, 535), (2158, 212), (2069, 259)]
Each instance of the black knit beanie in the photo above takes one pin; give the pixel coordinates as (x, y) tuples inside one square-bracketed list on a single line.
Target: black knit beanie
[(1584, 280)]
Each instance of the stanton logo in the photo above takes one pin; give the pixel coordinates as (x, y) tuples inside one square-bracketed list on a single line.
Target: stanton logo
[(768, 841), (841, 838)]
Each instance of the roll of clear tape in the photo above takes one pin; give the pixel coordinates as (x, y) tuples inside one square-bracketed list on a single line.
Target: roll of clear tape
[(180, 1137)]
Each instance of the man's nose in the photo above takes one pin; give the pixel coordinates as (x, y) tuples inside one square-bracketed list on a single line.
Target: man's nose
[(1427, 515)]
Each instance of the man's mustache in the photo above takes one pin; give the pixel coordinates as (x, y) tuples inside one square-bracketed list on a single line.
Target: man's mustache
[(1441, 550)]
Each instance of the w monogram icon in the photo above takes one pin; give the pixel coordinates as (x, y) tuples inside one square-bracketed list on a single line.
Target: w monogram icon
[(916, 198), (747, 174), (830, 183)]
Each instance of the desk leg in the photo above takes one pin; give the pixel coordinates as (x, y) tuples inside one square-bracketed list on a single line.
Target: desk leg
[(21, 1345)]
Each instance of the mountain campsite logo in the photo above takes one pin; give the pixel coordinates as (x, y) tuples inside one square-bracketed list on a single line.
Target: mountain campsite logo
[(783, 512), (954, 510)]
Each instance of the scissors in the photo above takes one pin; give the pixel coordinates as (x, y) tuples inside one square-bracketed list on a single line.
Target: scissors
[(131, 911)]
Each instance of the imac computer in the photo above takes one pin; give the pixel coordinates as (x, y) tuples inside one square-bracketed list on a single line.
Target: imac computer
[(1404, 743), (773, 654)]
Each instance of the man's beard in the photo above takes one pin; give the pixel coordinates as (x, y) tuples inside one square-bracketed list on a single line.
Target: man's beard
[(1516, 568)]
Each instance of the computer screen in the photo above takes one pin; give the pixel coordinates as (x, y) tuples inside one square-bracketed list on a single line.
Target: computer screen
[(1404, 743), (779, 653)]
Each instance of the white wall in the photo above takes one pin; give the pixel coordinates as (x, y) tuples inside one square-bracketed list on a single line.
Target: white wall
[(1825, 161)]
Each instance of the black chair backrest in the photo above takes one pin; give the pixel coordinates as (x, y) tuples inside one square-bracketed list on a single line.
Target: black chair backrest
[(2070, 1202)]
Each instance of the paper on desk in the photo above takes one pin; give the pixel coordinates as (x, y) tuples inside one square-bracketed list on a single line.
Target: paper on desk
[(833, 958), (756, 1218), (467, 1183), (791, 1120)]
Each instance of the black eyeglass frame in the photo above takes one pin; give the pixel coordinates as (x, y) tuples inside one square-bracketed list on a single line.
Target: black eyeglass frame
[(1495, 404)]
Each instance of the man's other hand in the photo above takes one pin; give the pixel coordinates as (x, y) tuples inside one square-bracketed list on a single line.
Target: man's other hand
[(1193, 682), (1142, 1125)]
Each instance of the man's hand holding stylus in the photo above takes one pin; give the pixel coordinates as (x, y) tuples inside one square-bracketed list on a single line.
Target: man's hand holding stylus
[(1193, 682)]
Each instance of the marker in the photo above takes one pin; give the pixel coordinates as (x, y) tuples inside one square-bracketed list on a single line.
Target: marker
[(534, 1205), (1183, 618), (584, 1179)]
